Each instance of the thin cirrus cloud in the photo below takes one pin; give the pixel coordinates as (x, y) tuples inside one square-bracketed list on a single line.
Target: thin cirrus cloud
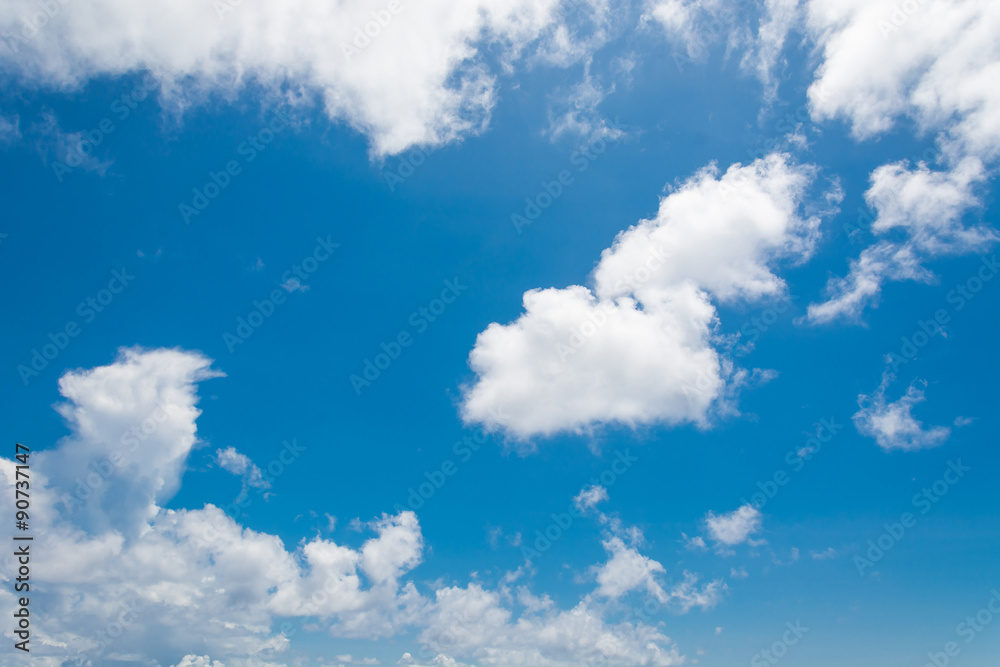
[(639, 347), (219, 586), (307, 50)]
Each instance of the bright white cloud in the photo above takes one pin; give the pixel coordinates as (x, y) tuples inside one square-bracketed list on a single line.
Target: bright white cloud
[(194, 588), (638, 347), (416, 77), (735, 527), (473, 621), (934, 61), (920, 211), (628, 570), (892, 424)]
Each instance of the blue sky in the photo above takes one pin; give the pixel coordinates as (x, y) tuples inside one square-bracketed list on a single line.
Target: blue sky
[(739, 279)]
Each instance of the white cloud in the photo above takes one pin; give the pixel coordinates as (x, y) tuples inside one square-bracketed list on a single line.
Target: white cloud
[(826, 554), (418, 78), (199, 661), (186, 584), (924, 209), (628, 570), (892, 424), (778, 18), (472, 621), (638, 348), (735, 527), (231, 460), (935, 65), (694, 24), (696, 543), (590, 496), (932, 62), (576, 112)]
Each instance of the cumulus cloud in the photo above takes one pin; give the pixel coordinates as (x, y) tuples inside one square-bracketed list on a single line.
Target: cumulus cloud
[(892, 424), (356, 59), (930, 62), (638, 347), (735, 527), (194, 588), (920, 211), (473, 621), (627, 570)]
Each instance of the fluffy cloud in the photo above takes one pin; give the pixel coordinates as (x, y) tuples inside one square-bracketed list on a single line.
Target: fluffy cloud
[(735, 527), (416, 77), (923, 209), (892, 424), (627, 570), (930, 61), (933, 61), (638, 348), (473, 621), (194, 588)]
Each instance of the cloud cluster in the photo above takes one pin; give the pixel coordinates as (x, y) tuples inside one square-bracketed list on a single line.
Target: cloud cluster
[(193, 587), (638, 347), (931, 62)]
